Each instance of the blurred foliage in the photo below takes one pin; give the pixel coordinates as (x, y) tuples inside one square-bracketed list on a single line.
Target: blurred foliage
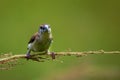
[(80, 25)]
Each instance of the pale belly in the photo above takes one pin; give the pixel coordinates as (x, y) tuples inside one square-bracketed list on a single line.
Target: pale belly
[(41, 46)]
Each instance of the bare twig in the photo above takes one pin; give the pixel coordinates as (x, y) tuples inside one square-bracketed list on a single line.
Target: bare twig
[(37, 57)]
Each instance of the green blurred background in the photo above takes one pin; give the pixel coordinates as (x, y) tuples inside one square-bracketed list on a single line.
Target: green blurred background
[(80, 25)]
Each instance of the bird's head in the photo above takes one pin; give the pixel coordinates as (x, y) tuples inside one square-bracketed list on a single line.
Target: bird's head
[(44, 28)]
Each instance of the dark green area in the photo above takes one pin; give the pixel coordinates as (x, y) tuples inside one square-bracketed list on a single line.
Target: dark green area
[(80, 25)]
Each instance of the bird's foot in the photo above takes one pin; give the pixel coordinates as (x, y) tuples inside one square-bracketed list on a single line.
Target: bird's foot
[(27, 56), (52, 55)]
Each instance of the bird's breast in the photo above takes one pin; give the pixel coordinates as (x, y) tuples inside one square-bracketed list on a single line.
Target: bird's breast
[(41, 45)]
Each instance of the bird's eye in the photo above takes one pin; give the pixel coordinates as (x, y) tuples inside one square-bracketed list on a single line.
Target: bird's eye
[(41, 27)]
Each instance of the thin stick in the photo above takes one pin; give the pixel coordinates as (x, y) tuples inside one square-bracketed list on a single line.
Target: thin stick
[(35, 58)]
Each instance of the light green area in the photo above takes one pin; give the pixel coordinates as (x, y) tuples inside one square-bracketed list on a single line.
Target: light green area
[(80, 25)]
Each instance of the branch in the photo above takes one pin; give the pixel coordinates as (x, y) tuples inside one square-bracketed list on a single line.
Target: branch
[(37, 57), (8, 61)]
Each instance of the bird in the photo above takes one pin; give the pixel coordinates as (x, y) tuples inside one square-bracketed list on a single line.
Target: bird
[(41, 41)]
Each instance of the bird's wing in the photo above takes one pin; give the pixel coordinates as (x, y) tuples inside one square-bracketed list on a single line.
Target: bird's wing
[(32, 39)]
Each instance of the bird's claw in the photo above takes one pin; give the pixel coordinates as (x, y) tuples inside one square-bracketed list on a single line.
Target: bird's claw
[(27, 56), (52, 55)]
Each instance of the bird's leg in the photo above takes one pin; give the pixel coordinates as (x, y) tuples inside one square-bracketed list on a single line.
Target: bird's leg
[(52, 54), (28, 54)]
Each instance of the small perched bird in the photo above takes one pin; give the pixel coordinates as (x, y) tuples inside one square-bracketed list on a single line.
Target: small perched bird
[(41, 41)]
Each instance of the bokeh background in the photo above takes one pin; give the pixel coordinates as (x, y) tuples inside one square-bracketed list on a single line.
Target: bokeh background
[(81, 25)]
